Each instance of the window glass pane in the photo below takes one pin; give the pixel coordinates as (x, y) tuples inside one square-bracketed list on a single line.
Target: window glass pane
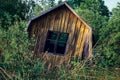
[(63, 37), (49, 46), (61, 47), (52, 35)]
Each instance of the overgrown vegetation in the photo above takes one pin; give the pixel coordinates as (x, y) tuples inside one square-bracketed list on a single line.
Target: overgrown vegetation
[(16, 56)]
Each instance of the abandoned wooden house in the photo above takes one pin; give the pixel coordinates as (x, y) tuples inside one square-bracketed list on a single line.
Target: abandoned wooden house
[(60, 34)]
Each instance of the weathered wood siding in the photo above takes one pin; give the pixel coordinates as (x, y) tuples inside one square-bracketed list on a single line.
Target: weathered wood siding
[(62, 20)]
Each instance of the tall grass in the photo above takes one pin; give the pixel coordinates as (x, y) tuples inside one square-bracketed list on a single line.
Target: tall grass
[(27, 68)]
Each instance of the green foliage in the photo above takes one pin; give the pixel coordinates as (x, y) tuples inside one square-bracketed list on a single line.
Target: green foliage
[(17, 62), (12, 10), (105, 30), (74, 3), (39, 6), (16, 58), (110, 39), (14, 7), (94, 5), (93, 18)]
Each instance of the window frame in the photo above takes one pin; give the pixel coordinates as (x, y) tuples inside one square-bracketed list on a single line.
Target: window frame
[(56, 42)]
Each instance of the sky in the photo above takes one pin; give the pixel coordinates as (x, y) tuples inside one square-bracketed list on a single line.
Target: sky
[(111, 3)]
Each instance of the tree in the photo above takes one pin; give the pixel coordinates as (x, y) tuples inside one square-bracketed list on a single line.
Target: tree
[(51, 3), (110, 39), (95, 6), (14, 7), (74, 3), (92, 12), (40, 6), (12, 10)]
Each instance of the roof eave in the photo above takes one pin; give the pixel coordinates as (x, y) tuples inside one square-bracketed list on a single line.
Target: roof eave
[(77, 15), (49, 10)]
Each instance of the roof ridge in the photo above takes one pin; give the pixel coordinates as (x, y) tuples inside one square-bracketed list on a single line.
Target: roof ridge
[(49, 10), (57, 6)]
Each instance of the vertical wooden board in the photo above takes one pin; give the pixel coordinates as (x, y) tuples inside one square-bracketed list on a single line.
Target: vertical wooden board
[(81, 35), (77, 34), (44, 35), (49, 25), (89, 43), (74, 31), (61, 16), (85, 51), (39, 26), (78, 45), (36, 26), (80, 28), (68, 57), (70, 21), (54, 21), (72, 27), (45, 30), (41, 35), (59, 20), (63, 21), (83, 40), (51, 20), (67, 20), (38, 37), (79, 25)]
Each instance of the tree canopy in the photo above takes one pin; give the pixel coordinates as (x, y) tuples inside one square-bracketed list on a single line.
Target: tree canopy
[(12, 10)]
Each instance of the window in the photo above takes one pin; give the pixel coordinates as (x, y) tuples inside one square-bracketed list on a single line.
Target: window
[(56, 42)]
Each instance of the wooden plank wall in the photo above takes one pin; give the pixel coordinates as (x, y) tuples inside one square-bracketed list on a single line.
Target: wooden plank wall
[(62, 20)]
